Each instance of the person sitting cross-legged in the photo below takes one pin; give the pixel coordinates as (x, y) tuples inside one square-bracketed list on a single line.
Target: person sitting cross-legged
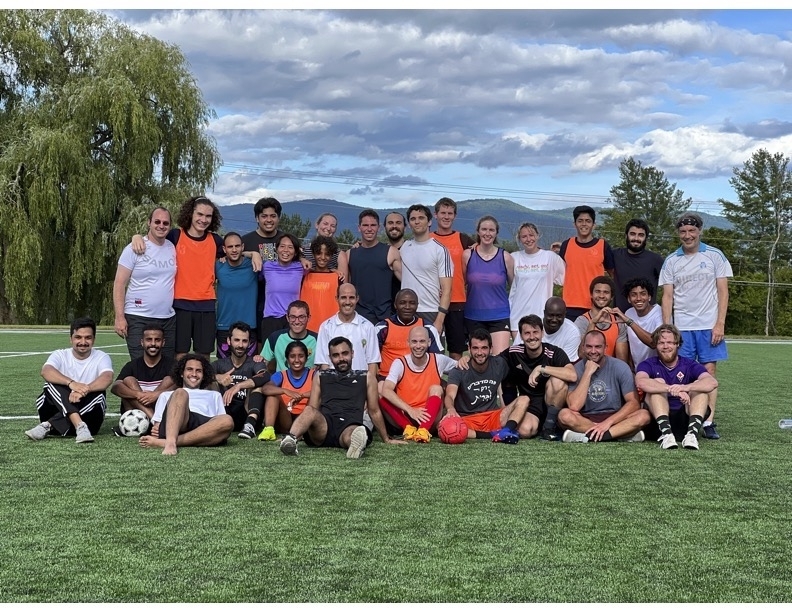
[(288, 391)]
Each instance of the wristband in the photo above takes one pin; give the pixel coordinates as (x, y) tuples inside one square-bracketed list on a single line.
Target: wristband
[(443, 310), (629, 322), (68, 383)]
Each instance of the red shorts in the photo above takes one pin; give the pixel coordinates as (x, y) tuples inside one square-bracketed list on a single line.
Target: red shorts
[(483, 421)]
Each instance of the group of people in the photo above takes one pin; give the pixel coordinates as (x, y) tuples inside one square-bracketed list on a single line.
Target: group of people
[(601, 362)]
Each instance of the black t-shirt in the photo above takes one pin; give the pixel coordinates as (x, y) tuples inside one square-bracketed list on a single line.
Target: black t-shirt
[(246, 371), (149, 378), (628, 266), (343, 395), (521, 365)]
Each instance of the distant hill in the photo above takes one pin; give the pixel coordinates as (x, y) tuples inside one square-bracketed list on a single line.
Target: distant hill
[(554, 224)]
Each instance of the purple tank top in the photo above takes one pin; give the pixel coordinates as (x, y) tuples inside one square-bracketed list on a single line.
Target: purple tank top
[(487, 299)]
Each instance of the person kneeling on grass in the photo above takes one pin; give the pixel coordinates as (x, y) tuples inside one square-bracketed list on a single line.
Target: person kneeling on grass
[(74, 402), (191, 415), (472, 394), (672, 382), (602, 406), (334, 414)]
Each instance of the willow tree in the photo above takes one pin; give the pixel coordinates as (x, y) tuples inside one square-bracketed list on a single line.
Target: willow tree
[(97, 123)]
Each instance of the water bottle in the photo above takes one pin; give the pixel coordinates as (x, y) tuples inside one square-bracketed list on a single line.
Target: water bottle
[(785, 423)]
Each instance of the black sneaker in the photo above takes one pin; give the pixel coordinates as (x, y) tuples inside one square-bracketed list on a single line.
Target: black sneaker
[(550, 435), (117, 432), (708, 431)]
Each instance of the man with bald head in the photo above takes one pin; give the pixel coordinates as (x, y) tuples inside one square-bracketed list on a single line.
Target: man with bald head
[(412, 395), (558, 330), (349, 324)]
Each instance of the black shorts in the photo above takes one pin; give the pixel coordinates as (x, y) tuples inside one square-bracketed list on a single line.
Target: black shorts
[(194, 421), (269, 325), (573, 313), (238, 412), (679, 420), (537, 407), (223, 350), (335, 428), (491, 326), (196, 328), (455, 332), (135, 325)]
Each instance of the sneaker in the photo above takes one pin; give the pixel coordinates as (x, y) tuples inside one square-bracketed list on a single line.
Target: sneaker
[(39, 432), (358, 442), (550, 435), (83, 434), (708, 431), (421, 435), (667, 442), (248, 432), (505, 435), (268, 434), (638, 437), (117, 432), (574, 436), (288, 445), (409, 432), (690, 441)]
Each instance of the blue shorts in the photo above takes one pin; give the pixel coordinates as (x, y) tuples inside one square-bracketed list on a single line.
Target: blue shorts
[(698, 345)]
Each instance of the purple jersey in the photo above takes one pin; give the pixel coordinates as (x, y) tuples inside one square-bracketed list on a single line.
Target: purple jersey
[(685, 372)]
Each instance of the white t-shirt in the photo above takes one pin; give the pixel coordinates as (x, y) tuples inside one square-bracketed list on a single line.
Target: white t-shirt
[(649, 322), (80, 370), (534, 277), (360, 332), (150, 289), (423, 265), (567, 338), (694, 280), (444, 364), (205, 402)]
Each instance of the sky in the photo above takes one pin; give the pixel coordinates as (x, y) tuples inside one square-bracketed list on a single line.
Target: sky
[(390, 108)]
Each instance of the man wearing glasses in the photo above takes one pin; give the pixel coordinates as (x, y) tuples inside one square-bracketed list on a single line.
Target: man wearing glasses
[(143, 288), (274, 349)]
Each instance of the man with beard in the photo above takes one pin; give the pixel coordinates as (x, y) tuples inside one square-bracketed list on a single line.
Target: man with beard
[(395, 224), (142, 380), (240, 379), (334, 414), (602, 405), (635, 261), (559, 330), (676, 390), (603, 317), (237, 292)]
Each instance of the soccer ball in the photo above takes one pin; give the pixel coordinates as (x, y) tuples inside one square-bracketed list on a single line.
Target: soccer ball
[(452, 430), (133, 423)]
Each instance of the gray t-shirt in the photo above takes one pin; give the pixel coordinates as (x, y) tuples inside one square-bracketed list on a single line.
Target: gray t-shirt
[(478, 391), (608, 386)]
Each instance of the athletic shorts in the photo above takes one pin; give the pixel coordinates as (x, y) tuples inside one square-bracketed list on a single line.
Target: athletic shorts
[(491, 326), (428, 317), (537, 407), (237, 411), (597, 417), (483, 421), (269, 325), (455, 332), (196, 328), (679, 420), (135, 325), (573, 313), (194, 421), (223, 350), (698, 345), (335, 428)]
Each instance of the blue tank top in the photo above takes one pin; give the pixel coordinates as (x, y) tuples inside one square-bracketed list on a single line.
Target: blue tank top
[(487, 299)]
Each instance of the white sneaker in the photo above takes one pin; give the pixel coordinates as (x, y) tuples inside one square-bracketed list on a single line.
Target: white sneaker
[(667, 442), (39, 432), (638, 437), (288, 445), (357, 444), (83, 434), (690, 441), (574, 436)]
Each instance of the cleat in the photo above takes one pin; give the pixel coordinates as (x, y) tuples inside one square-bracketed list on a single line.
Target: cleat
[(83, 434), (506, 436), (667, 442), (117, 432), (690, 441), (268, 434), (549, 435), (39, 432), (574, 436), (409, 432), (288, 445), (708, 431), (248, 432), (357, 444), (421, 435), (638, 437)]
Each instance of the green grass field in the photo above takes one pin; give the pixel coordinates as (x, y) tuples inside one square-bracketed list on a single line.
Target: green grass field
[(110, 522)]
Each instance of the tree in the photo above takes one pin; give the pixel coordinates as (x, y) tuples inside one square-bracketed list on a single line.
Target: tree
[(295, 225), (762, 217), (644, 193), (98, 123)]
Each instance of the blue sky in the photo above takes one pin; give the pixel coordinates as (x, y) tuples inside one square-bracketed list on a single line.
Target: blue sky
[(390, 108)]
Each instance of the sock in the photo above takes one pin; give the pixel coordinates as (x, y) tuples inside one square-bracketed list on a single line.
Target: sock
[(433, 406), (706, 423), (511, 425), (255, 406), (664, 424), (694, 425), (550, 419), (483, 435)]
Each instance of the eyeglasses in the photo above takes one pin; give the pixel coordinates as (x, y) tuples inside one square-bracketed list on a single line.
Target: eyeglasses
[(160, 222), (298, 317)]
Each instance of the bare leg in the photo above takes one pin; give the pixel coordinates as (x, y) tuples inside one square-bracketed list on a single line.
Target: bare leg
[(211, 433), (713, 395), (178, 414), (311, 421), (501, 340)]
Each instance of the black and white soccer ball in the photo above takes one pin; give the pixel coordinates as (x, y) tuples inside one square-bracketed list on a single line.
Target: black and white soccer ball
[(134, 423)]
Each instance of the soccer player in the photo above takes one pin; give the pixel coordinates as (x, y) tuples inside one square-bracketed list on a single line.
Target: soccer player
[(142, 380), (74, 401), (240, 379), (586, 257), (288, 390), (635, 261), (641, 319), (602, 317), (559, 330), (334, 414), (395, 224), (143, 287), (695, 280), (602, 405), (412, 394), (325, 225), (237, 292), (676, 390), (192, 415), (472, 394), (319, 286), (297, 317)]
